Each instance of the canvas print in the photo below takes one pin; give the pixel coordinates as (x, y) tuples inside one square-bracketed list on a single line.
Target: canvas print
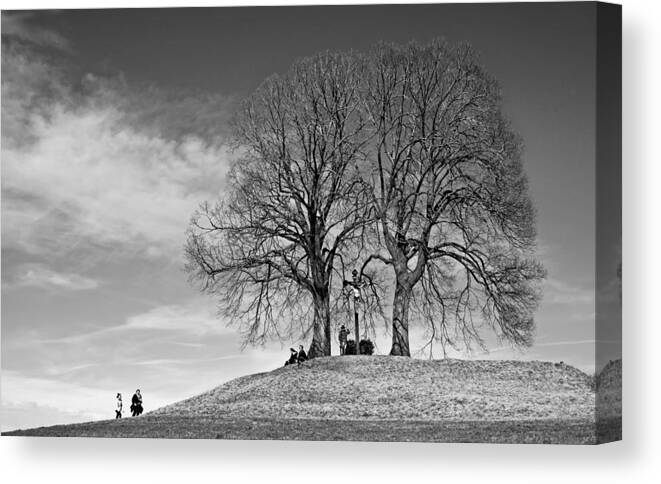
[(368, 222)]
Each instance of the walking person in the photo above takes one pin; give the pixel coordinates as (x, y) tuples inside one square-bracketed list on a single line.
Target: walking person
[(344, 332), (136, 403), (118, 410)]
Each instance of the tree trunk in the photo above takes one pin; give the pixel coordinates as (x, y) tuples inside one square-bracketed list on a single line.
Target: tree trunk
[(400, 320), (321, 333)]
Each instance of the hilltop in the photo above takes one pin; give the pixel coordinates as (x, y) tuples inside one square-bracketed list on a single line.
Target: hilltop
[(379, 398), (383, 387)]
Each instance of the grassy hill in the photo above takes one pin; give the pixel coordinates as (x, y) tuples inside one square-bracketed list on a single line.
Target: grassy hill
[(381, 387), (609, 390), (379, 398)]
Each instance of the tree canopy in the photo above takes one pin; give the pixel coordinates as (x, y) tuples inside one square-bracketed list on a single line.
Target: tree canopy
[(398, 159), (450, 196), (270, 248)]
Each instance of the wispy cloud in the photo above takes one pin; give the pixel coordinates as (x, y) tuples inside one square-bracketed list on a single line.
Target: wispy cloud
[(38, 275), (18, 24), (575, 342), (195, 318), (184, 361), (561, 292), (62, 370)]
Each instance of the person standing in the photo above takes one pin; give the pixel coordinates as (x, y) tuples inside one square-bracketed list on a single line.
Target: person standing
[(118, 410), (136, 403), (344, 332)]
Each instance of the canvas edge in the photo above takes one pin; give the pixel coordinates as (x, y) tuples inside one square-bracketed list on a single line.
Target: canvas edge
[(608, 220)]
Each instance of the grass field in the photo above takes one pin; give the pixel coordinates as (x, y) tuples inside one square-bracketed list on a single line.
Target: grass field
[(383, 399), (149, 426)]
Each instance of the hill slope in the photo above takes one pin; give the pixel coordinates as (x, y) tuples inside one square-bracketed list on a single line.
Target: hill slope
[(381, 398), (609, 390), (382, 387)]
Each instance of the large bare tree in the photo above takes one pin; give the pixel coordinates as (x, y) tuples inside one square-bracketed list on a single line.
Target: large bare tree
[(450, 196), (270, 247)]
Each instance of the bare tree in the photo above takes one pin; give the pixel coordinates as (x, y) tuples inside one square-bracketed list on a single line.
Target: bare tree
[(450, 196), (400, 157), (269, 250)]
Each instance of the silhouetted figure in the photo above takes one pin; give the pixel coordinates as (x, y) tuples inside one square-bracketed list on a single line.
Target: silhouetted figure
[(344, 332), (293, 356), (118, 410), (302, 355), (136, 403)]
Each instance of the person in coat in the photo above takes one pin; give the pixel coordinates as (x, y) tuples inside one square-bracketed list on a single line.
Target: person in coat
[(302, 355), (293, 357), (136, 403)]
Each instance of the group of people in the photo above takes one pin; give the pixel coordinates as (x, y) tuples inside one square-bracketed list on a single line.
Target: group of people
[(136, 405), (296, 357)]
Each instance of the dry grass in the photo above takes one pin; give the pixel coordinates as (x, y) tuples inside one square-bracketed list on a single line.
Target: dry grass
[(172, 427), (382, 387), (380, 398), (609, 390)]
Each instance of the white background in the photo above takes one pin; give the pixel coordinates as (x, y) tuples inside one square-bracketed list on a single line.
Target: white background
[(636, 459)]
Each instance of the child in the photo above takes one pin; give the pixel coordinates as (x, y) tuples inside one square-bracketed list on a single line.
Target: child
[(118, 411)]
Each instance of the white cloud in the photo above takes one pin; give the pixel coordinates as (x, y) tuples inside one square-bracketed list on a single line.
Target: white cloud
[(27, 415), (38, 275), (104, 183), (28, 393), (93, 170)]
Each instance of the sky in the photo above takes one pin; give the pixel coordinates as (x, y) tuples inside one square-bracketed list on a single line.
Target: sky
[(113, 130)]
